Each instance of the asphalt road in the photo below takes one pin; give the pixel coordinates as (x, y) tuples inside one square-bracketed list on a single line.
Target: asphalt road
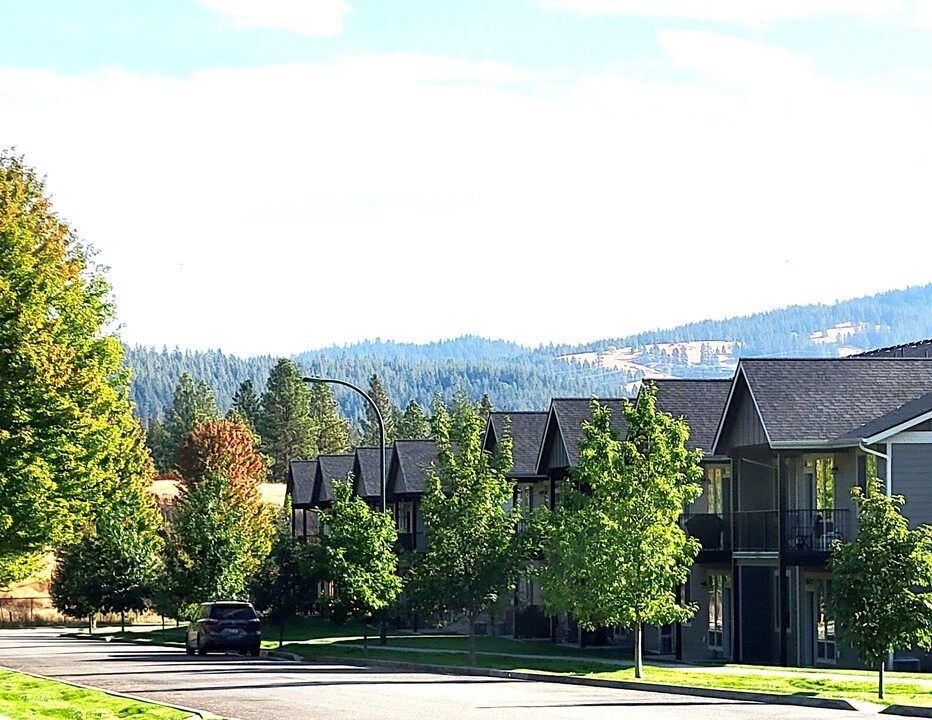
[(263, 689)]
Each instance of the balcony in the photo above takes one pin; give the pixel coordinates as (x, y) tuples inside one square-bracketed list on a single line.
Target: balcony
[(805, 531)]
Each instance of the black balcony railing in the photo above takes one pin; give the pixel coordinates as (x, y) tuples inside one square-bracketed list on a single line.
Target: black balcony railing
[(815, 530), (806, 530)]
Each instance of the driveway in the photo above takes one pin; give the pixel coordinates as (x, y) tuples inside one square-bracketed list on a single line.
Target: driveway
[(262, 689)]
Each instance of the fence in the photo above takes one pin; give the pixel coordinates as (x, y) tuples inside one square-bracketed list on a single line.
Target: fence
[(19, 611)]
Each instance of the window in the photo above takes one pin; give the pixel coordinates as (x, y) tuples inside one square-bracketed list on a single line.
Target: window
[(820, 476), (716, 475), (825, 622), (716, 614)]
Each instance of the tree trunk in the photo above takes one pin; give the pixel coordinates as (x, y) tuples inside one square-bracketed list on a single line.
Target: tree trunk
[(638, 651), (472, 640), (90, 624), (880, 681), (122, 620), (383, 631), (281, 633), (365, 640)]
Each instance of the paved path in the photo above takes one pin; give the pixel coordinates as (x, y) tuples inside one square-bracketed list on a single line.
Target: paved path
[(261, 689)]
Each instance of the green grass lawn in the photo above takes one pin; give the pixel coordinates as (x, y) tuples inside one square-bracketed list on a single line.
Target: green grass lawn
[(23, 697)]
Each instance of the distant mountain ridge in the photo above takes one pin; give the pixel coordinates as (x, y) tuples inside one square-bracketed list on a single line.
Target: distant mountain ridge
[(520, 378)]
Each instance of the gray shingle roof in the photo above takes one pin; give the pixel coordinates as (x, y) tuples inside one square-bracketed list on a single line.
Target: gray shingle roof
[(699, 402), (407, 475), (826, 400), (330, 468), (301, 474), (571, 413), (366, 469), (527, 433), (919, 349)]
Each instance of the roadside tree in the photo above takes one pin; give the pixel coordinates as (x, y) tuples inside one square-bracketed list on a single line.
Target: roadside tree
[(221, 530), (358, 552), (473, 555), (614, 553), (68, 441), (882, 581)]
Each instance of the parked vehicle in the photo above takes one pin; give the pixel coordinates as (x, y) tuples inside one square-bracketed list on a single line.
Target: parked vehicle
[(225, 625)]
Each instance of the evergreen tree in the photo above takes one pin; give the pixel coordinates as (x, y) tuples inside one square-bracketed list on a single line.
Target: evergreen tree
[(286, 425), (614, 552), (332, 429), (485, 408), (413, 424), (193, 404), (370, 427), (247, 404), (68, 440)]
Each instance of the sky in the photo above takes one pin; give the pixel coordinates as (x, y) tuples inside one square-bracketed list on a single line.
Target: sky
[(265, 177)]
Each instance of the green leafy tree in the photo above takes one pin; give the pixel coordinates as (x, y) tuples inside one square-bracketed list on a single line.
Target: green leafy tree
[(331, 435), (473, 554), (286, 581), (370, 427), (220, 531), (74, 589), (160, 444), (68, 439), (614, 553), (882, 581), (359, 554), (286, 425), (413, 423)]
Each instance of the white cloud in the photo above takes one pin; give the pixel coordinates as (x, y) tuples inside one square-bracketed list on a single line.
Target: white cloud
[(751, 12), (282, 208), (304, 17)]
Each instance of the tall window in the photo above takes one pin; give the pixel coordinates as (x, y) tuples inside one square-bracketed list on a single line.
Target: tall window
[(716, 612), (825, 622)]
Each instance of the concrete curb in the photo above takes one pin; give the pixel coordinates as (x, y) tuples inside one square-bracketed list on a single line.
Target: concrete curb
[(644, 686)]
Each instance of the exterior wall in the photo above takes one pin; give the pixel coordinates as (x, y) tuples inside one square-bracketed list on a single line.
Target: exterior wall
[(694, 635), (755, 487), (745, 429), (911, 464)]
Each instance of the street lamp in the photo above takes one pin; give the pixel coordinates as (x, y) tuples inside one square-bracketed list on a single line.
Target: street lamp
[(378, 416)]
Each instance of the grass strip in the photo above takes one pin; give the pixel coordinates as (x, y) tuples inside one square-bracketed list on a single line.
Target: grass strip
[(24, 697)]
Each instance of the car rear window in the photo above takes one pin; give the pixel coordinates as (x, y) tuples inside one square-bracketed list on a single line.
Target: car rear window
[(232, 612)]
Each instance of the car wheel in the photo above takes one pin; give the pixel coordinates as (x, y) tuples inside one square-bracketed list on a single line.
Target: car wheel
[(188, 650), (201, 649)]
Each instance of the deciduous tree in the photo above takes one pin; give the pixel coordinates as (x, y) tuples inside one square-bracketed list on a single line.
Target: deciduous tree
[(68, 440), (473, 552), (614, 553), (359, 555), (882, 581)]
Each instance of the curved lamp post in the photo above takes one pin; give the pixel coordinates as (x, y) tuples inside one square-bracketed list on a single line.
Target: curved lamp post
[(378, 416)]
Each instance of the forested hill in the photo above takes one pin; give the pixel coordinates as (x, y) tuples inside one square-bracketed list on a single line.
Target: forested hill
[(520, 378)]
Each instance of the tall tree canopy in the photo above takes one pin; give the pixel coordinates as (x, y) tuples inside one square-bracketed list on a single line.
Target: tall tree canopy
[(286, 424), (413, 423), (614, 552), (370, 427), (882, 581), (68, 440), (221, 530), (473, 554), (332, 430)]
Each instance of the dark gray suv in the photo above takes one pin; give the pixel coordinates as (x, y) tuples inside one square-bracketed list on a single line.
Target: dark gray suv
[(224, 625)]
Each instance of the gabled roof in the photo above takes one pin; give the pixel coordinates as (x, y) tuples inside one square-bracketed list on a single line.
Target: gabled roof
[(831, 402), (526, 430), (699, 402), (301, 475), (330, 468), (565, 420), (407, 475), (919, 349), (366, 469)]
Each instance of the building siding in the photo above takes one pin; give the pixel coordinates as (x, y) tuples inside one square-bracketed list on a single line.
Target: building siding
[(911, 479)]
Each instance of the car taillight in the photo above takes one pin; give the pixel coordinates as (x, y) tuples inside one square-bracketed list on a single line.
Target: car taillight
[(211, 621)]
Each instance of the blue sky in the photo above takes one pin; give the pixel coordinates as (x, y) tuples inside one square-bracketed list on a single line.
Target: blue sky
[(269, 176)]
